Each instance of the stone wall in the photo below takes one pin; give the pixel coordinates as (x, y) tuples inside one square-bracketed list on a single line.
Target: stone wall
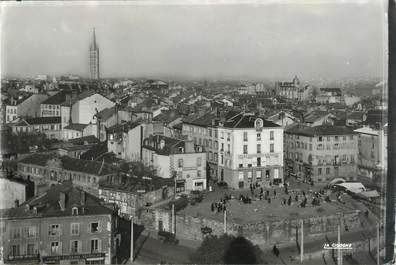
[(262, 233)]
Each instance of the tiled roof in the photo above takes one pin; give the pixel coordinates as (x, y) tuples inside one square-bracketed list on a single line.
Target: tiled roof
[(39, 120), (95, 151), (72, 164), (106, 113), (137, 183), (90, 139), (246, 121), (47, 205), (76, 127), (124, 127), (319, 130), (56, 99)]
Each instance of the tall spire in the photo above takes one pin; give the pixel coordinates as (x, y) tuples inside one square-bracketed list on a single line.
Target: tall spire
[(94, 39)]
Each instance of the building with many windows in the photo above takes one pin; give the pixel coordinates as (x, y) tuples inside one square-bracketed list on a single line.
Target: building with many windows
[(172, 157), (50, 126), (46, 169), (321, 153), (293, 90), (250, 150), (63, 226)]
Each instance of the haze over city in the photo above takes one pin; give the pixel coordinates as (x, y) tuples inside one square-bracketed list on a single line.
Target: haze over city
[(254, 41)]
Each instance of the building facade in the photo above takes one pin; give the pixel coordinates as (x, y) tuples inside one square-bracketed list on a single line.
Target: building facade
[(321, 153), (176, 158), (293, 90), (250, 150), (50, 126), (65, 226), (45, 170)]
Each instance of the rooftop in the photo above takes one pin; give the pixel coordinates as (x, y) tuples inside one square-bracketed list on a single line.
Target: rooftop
[(76, 127), (322, 130), (56, 99), (39, 120), (244, 120), (48, 204), (72, 164)]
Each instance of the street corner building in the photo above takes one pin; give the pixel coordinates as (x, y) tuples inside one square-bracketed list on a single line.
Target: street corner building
[(65, 225)]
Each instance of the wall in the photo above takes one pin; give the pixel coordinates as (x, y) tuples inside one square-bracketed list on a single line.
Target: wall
[(31, 106), (262, 233), (83, 111), (14, 191)]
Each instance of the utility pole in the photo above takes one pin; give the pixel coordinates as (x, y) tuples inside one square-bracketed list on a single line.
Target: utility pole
[(225, 222), (378, 243), (132, 243), (173, 218), (302, 242), (339, 243)]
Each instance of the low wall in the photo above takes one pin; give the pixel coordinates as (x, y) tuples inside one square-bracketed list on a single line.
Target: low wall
[(262, 233)]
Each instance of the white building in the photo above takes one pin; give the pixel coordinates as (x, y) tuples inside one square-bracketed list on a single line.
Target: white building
[(250, 150), (172, 157), (16, 193), (86, 105)]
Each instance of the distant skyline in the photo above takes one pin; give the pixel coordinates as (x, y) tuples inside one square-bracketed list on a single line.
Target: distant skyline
[(217, 41)]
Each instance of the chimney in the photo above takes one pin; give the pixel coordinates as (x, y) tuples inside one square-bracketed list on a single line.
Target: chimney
[(82, 197), (62, 200), (16, 203)]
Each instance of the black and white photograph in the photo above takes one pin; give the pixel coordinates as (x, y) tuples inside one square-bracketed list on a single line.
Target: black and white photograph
[(194, 132)]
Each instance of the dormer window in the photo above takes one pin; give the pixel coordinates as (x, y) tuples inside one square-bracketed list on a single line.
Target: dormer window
[(74, 211)]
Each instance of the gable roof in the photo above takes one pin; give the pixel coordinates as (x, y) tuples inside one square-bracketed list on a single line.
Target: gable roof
[(56, 99), (244, 120), (37, 121), (322, 130), (76, 127), (47, 204)]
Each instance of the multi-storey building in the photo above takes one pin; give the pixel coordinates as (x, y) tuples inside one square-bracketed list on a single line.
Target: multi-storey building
[(177, 158), (131, 196), (50, 126), (330, 95), (203, 131), (63, 226), (46, 169), (51, 107), (321, 153), (27, 105), (293, 90), (372, 158), (250, 150)]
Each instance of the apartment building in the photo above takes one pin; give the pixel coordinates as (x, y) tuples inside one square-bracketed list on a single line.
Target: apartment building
[(293, 90), (321, 153), (63, 226), (50, 126), (46, 169), (176, 158), (250, 150)]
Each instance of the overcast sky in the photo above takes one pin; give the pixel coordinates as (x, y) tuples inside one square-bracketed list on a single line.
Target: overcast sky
[(201, 41)]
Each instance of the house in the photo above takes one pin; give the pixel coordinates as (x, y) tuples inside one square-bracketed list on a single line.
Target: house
[(24, 105), (87, 105), (109, 117), (50, 126), (51, 107), (293, 90), (64, 225), (176, 158), (76, 130), (47, 169), (330, 96)]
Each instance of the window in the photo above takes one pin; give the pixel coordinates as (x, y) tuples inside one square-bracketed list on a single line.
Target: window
[(180, 163), (258, 136), (75, 228), (240, 165), (32, 231), (55, 249), (245, 149), (328, 138), (351, 137), (222, 159), (259, 161), (228, 136), (16, 233), (240, 176), (222, 147), (352, 158), (222, 135), (336, 138), (258, 175), (215, 144), (320, 171), (95, 245), (199, 161), (249, 174), (271, 148), (15, 250), (30, 249), (94, 227), (258, 148), (249, 165), (199, 174), (210, 132), (320, 138), (267, 174), (74, 246), (327, 171), (228, 148), (74, 211), (271, 135), (245, 136)]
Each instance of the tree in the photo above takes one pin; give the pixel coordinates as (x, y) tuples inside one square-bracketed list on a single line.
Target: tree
[(227, 249)]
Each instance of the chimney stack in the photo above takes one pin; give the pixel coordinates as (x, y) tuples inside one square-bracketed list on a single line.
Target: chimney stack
[(62, 201)]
